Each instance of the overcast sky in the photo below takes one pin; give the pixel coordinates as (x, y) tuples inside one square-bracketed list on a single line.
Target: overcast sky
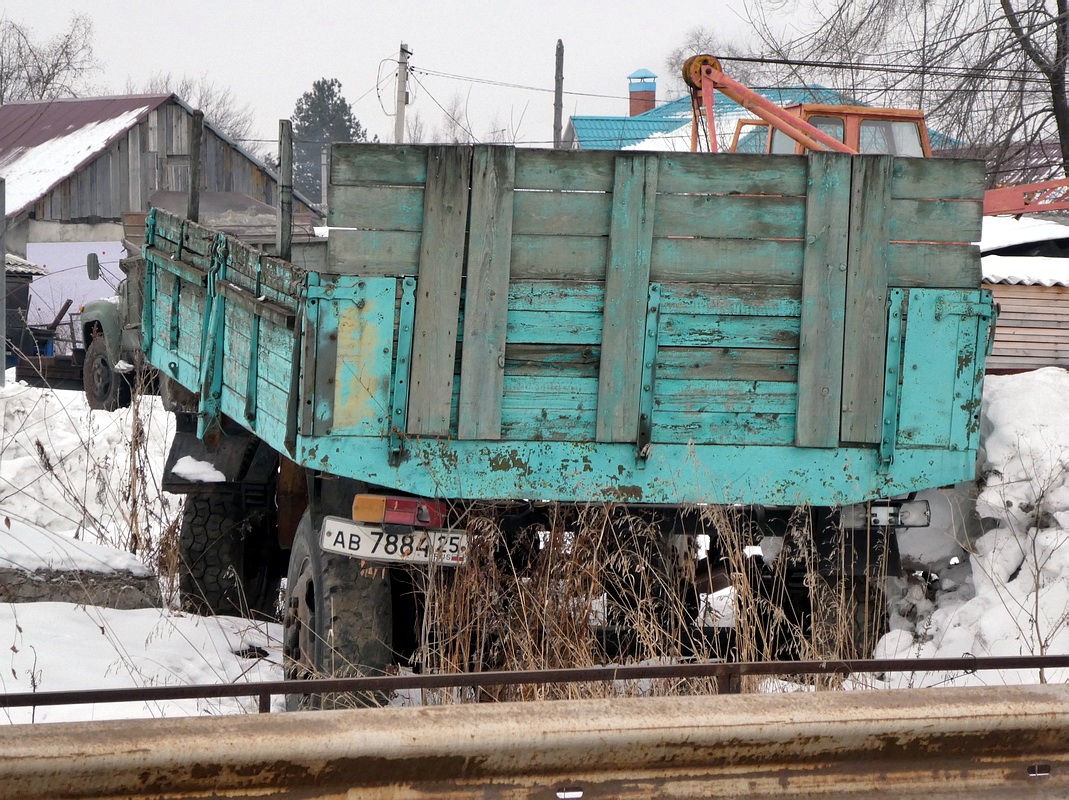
[(269, 52)]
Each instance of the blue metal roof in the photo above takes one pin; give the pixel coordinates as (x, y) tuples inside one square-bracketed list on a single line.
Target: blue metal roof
[(640, 74), (614, 133)]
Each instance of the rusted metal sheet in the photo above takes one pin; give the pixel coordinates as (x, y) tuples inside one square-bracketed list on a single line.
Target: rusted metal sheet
[(977, 742)]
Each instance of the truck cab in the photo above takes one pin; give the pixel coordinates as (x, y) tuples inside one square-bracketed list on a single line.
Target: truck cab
[(869, 131)]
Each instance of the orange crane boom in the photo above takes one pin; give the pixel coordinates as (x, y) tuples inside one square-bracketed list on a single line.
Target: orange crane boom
[(704, 75)]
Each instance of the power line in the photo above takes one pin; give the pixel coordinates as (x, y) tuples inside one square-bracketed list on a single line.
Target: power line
[(464, 127)]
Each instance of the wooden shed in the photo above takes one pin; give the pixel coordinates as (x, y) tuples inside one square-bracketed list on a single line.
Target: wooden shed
[(1026, 267), (87, 161)]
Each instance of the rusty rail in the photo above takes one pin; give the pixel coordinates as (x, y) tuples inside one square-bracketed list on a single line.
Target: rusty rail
[(982, 742), (725, 671)]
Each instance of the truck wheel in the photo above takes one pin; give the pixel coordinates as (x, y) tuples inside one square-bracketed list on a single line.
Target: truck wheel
[(105, 389), (226, 558), (338, 622)]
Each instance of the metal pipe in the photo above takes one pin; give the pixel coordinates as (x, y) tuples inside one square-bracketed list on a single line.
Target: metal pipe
[(710, 669), (795, 127), (975, 742)]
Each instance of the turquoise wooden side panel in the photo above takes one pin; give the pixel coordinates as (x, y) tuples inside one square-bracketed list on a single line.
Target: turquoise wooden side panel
[(940, 398), (356, 321), (673, 473), (738, 344)]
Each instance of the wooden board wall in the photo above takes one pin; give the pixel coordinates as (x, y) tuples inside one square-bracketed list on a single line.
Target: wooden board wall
[(1032, 329), (751, 330)]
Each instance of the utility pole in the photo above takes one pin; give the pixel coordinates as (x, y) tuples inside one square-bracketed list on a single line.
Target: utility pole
[(284, 231), (3, 274), (402, 94), (193, 204), (558, 97), (324, 176)]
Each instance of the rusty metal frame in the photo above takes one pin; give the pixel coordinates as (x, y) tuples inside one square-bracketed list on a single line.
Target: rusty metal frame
[(977, 742), (727, 673)]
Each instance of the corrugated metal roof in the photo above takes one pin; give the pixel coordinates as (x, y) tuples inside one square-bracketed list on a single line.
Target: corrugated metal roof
[(43, 143), (1026, 270), (16, 265)]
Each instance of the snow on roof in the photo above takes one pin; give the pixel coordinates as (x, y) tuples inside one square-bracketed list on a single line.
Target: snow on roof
[(1026, 270), (20, 266), (43, 143), (999, 232)]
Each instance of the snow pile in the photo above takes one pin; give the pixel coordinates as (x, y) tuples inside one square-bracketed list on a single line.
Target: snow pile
[(79, 490), (29, 548), (67, 647), (1011, 596), (999, 232), (93, 476)]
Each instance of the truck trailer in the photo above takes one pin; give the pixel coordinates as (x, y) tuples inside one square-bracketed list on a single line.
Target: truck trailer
[(519, 329)]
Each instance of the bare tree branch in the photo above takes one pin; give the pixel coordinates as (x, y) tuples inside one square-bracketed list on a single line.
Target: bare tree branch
[(33, 69)]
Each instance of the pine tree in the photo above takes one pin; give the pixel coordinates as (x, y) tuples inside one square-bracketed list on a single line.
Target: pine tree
[(322, 116)]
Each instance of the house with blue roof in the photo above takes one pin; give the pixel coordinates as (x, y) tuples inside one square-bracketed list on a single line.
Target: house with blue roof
[(667, 126)]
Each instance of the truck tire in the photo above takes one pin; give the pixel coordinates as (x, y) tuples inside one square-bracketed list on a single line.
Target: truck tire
[(229, 564), (338, 622), (105, 389)]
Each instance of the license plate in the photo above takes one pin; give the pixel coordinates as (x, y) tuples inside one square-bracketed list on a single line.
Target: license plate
[(371, 543)]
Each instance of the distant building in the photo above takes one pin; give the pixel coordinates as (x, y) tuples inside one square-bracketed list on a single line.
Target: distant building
[(73, 167), (20, 274), (668, 126)]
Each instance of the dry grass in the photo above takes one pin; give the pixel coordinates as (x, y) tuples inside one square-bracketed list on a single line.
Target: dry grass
[(602, 586)]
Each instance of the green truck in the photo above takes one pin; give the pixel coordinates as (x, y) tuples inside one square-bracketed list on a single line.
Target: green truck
[(520, 327)]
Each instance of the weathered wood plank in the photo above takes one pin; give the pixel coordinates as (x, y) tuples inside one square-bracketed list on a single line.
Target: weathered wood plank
[(564, 170), (540, 327), (486, 295), (730, 216), (374, 253), (820, 357), (683, 330), (746, 261), (561, 213), (544, 360), (947, 178), (441, 261), (627, 280), (865, 347), (935, 220), (749, 300), (726, 397), (728, 173), (579, 258), (378, 208), (557, 296), (728, 429), (933, 266), (726, 363), (362, 163)]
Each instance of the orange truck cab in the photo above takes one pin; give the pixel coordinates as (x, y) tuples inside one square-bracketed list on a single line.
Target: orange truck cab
[(889, 131)]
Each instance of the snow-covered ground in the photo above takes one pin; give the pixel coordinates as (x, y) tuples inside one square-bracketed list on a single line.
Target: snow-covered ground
[(80, 490), (90, 480), (1004, 591)]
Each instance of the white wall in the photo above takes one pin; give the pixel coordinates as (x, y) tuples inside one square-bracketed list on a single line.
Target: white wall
[(66, 278)]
